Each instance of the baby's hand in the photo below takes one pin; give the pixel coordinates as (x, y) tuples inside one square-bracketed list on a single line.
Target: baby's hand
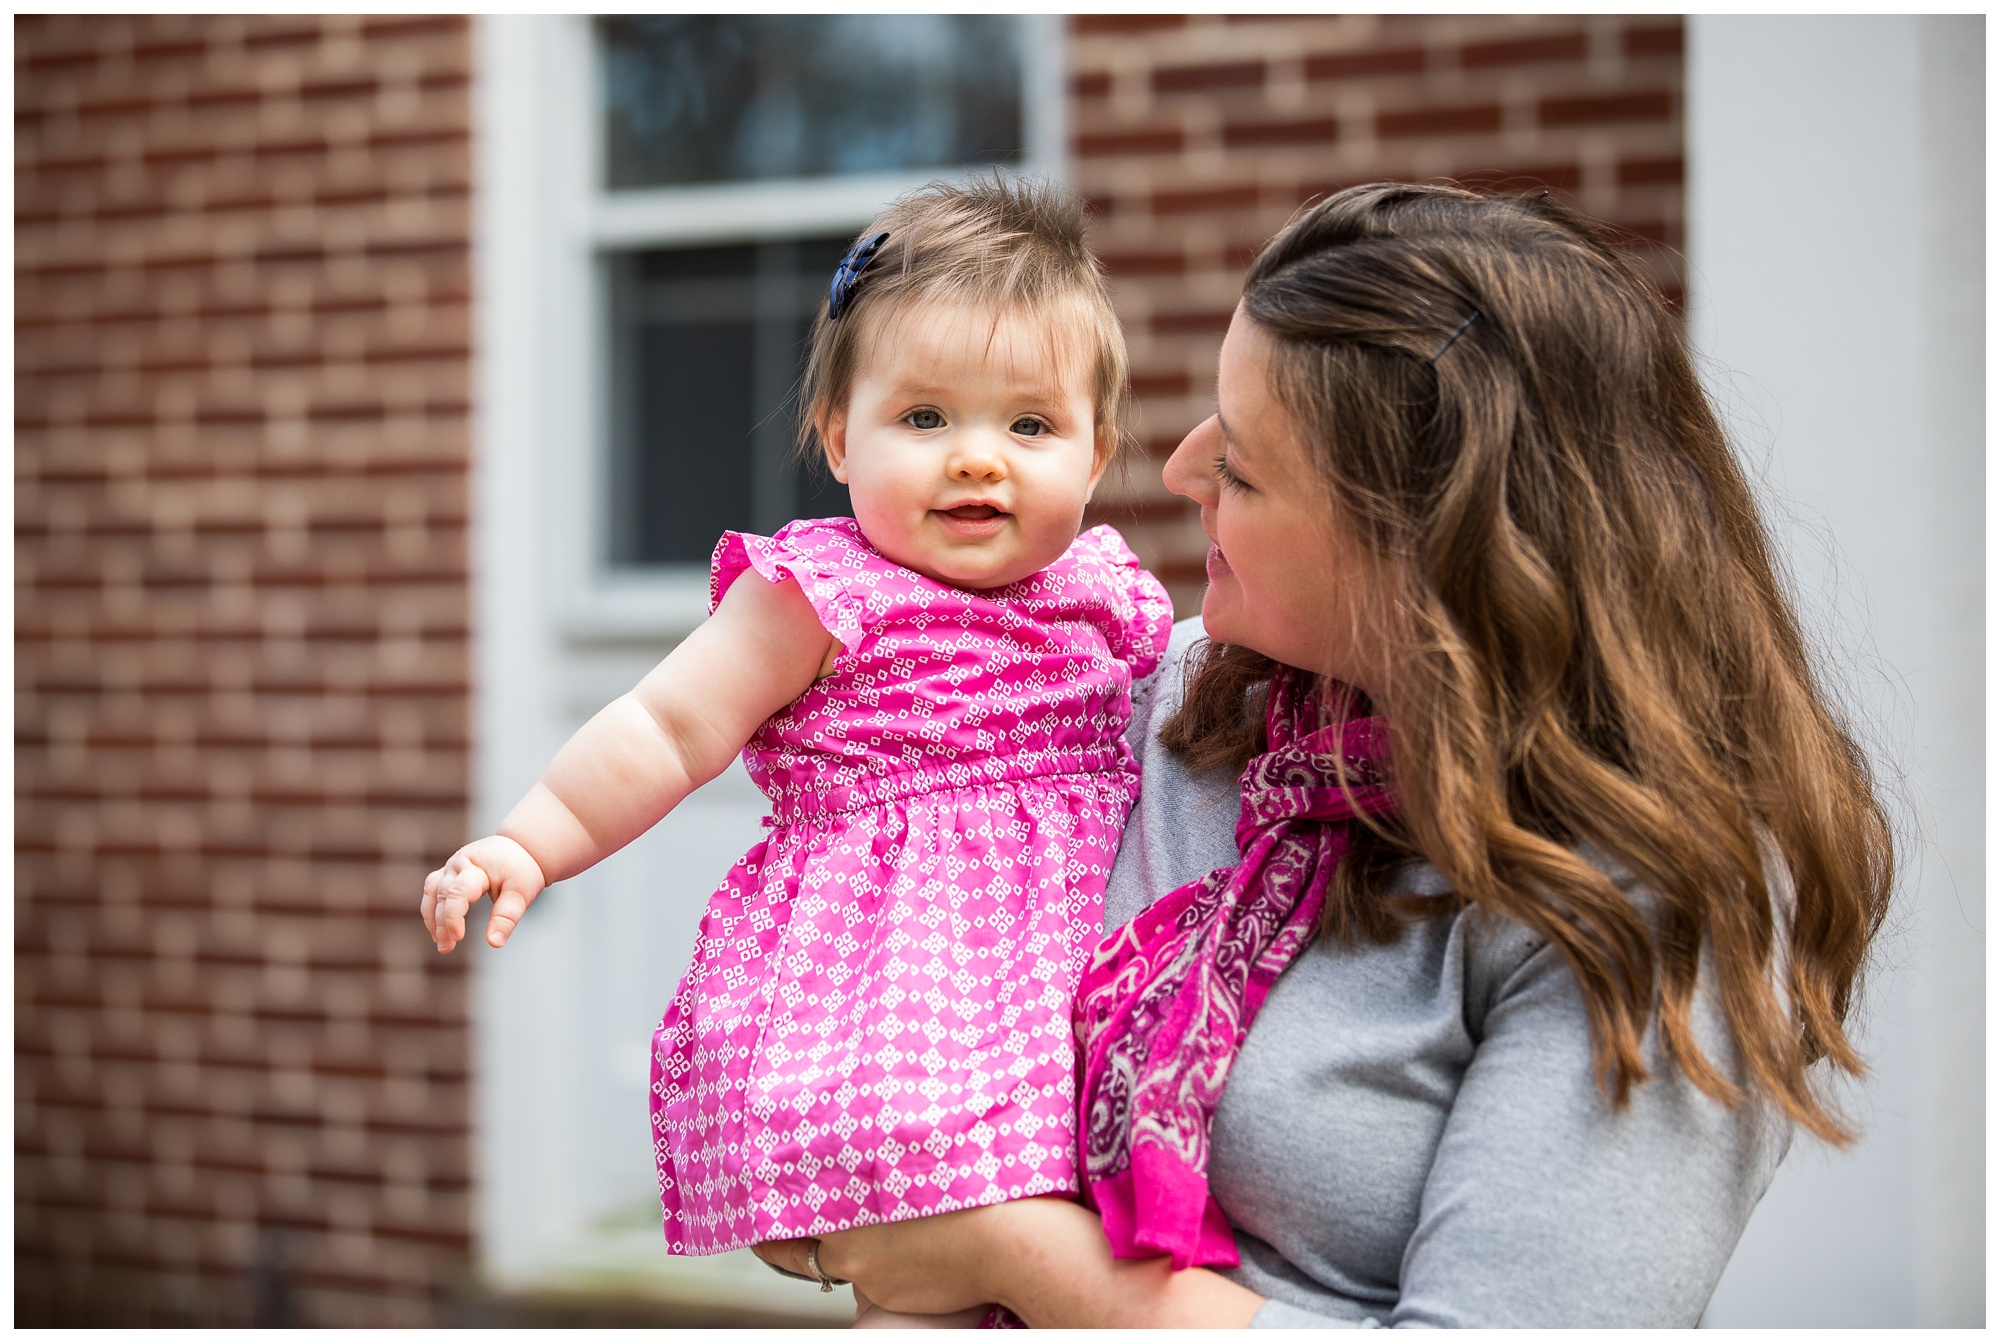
[(495, 866)]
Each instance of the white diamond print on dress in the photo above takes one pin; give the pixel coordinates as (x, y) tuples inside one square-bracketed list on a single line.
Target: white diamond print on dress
[(876, 1023)]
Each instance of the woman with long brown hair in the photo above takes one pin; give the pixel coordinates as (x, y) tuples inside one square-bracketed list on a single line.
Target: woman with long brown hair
[(1501, 883)]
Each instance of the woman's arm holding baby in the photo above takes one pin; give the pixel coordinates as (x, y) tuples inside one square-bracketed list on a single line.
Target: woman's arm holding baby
[(639, 756), (1046, 1259)]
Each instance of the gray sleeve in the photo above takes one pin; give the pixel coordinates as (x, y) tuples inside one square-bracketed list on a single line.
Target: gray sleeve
[(1139, 728), (1544, 1207)]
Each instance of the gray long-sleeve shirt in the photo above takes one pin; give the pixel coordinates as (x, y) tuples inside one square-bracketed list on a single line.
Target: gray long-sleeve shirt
[(1412, 1134)]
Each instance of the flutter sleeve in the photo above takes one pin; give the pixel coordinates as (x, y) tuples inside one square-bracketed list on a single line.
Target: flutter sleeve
[(817, 554), (1142, 613)]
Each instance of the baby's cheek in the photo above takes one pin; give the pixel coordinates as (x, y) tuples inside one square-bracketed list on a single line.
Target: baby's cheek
[(882, 518), (1057, 509)]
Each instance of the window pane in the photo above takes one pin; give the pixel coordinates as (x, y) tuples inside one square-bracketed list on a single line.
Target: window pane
[(728, 97), (707, 347), (690, 474)]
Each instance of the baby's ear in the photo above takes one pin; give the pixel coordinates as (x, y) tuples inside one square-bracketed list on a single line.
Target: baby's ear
[(832, 428), (1104, 446)]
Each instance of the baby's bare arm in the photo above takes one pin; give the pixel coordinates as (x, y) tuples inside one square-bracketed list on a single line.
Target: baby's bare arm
[(673, 732), (640, 755)]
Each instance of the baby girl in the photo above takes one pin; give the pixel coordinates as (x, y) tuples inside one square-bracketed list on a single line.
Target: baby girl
[(933, 693)]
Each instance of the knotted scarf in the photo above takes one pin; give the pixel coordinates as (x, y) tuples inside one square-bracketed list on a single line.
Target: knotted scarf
[(1168, 998)]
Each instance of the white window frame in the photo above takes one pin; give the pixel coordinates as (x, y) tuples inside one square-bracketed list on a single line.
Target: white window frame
[(556, 629)]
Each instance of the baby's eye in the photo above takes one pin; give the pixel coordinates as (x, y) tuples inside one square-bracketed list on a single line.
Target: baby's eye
[(924, 419), (1028, 427)]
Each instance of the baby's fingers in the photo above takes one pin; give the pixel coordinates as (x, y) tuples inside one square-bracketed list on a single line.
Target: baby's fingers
[(428, 905), (508, 907), (448, 929), (459, 885)]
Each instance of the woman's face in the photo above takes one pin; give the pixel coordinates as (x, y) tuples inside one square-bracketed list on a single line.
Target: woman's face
[(1282, 580)]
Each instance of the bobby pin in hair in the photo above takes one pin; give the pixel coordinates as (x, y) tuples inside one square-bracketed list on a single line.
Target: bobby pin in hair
[(1452, 339)]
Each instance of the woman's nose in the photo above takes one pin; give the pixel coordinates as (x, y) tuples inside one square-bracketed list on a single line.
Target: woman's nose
[(1190, 471)]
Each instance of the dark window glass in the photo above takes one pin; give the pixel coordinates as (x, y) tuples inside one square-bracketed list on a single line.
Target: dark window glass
[(707, 347), (728, 97)]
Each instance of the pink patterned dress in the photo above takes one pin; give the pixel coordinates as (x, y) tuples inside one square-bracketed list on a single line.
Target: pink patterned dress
[(876, 1025)]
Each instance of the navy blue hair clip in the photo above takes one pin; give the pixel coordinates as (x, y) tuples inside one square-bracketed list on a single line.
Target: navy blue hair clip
[(848, 274)]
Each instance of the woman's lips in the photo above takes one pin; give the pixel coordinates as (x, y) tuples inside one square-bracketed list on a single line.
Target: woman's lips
[(1218, 567), (972, 521)]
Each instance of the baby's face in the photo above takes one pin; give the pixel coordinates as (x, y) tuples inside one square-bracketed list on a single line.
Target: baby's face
[(968, 448)]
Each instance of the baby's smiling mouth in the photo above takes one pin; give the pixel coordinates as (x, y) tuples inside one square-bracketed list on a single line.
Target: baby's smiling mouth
[(972, 522)]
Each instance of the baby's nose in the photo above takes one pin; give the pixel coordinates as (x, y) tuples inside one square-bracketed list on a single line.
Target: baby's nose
[(978, 464)]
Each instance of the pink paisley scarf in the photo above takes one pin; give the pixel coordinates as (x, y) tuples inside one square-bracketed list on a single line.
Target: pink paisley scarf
[(1168, 998)]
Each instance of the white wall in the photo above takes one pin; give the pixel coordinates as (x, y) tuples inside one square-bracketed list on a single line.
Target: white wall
[(1836, 240)]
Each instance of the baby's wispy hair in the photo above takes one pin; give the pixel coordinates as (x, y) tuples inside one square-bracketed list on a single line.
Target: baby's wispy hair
[(1000, 242)]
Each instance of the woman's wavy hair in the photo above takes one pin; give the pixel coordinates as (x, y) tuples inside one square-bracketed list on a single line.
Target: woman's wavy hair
[(1595, 646)]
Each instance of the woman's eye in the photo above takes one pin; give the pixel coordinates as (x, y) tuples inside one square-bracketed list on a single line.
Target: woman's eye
[(1230, 480), (1028, 427), (924, 419)]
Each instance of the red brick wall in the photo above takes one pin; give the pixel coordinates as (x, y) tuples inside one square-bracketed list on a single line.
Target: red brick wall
[(240, 449), (1195, 137)]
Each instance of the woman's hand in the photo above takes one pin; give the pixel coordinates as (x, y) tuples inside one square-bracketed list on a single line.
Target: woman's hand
[(926, 1266), (931, 1266), (1045, 1259)]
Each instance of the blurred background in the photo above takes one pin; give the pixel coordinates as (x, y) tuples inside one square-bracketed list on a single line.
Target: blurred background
[(382, 385)]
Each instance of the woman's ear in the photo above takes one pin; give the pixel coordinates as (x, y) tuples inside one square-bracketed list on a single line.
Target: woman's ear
[(832, 427)]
